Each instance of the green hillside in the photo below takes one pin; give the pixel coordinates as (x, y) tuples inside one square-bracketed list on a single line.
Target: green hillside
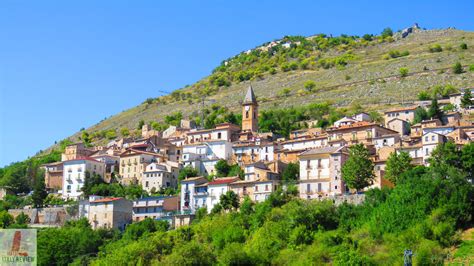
[(342, 70)]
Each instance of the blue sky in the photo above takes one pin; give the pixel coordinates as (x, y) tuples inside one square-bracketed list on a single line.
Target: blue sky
[(65, 65)]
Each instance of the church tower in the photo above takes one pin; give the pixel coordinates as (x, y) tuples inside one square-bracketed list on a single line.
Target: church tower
[(250, 112)]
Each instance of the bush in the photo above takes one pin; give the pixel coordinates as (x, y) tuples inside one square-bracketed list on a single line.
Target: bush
[(463, 46), (424, 96), (457, 68), (435, 48), (309, 85), (403, 72)]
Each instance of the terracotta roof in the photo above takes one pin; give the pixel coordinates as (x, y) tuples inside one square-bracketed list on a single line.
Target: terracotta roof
[(354, 125), (105, 200), (304, 138), (224, 180), (410, 108), (139, 151), (193, 179), (84, 158)]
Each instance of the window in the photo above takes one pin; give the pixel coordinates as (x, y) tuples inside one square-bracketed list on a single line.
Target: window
[(426, 138), (308, 164), (426, 151), (266, 187), (335, 187), (319, 187), (319, 163), (308, 188), (146, 184), (256, 188), (432, 138), (246, 114)]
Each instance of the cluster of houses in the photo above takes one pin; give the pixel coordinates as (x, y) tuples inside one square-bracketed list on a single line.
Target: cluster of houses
[(155, 160)]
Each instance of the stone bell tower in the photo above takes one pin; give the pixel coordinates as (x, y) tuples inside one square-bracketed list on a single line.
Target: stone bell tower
[(250, 112)]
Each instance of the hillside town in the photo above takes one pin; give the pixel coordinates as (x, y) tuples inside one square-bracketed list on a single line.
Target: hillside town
[(155, 160)]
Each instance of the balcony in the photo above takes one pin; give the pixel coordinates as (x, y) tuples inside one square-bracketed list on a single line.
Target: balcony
[(200, 193)]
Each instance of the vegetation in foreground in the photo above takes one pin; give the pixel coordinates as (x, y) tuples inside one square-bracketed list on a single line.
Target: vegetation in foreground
[(425, 212)]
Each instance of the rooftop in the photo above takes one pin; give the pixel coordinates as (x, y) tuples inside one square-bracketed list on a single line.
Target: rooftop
[(105, 200), (322, 150), (401, 109), (224, 180)]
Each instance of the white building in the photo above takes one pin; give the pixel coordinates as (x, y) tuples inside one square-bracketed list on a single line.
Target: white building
[(204, 155), (430, 141), (160, 176), (189, 194), (320, 172), (154, 207), (216, 188), (386, 140), (74, 175), (304, 143)]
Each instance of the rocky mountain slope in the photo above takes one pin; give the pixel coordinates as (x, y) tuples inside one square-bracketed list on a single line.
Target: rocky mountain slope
[(343, 70)]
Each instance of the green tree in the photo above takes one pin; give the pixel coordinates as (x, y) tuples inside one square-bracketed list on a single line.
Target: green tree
[(6, 219), (463, 46), (403, 72), (39, 193), (309, 85), (387, 32), (229, 200), (434, 112), (140, 124), (367, 37), (457, 68), (444, 157), (420, 115), (124, 132), (466, 100), (187, 172), (291, 172), (467, 159), (358, 170), (86, 139), (22, 219), (222, 168), (397, 164)]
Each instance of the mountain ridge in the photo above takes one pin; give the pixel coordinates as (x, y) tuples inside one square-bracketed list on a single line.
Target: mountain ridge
[(364, 77)]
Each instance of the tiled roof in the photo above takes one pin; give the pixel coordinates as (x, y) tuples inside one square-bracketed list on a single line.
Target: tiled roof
[(193, 179), (105, 200), (225, 180), (84, 158), (322, 150), (353, 125), (410, 108)]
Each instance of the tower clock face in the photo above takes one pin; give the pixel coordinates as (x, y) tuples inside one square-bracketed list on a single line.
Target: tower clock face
[(247, 108)]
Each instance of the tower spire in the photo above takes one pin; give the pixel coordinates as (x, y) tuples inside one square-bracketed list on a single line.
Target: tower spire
[(250, 96)]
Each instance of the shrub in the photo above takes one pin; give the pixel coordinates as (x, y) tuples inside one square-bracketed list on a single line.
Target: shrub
[(463, 46), (435, 48), (403, 72), (457, 68), (424, 96), (309, 85)]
